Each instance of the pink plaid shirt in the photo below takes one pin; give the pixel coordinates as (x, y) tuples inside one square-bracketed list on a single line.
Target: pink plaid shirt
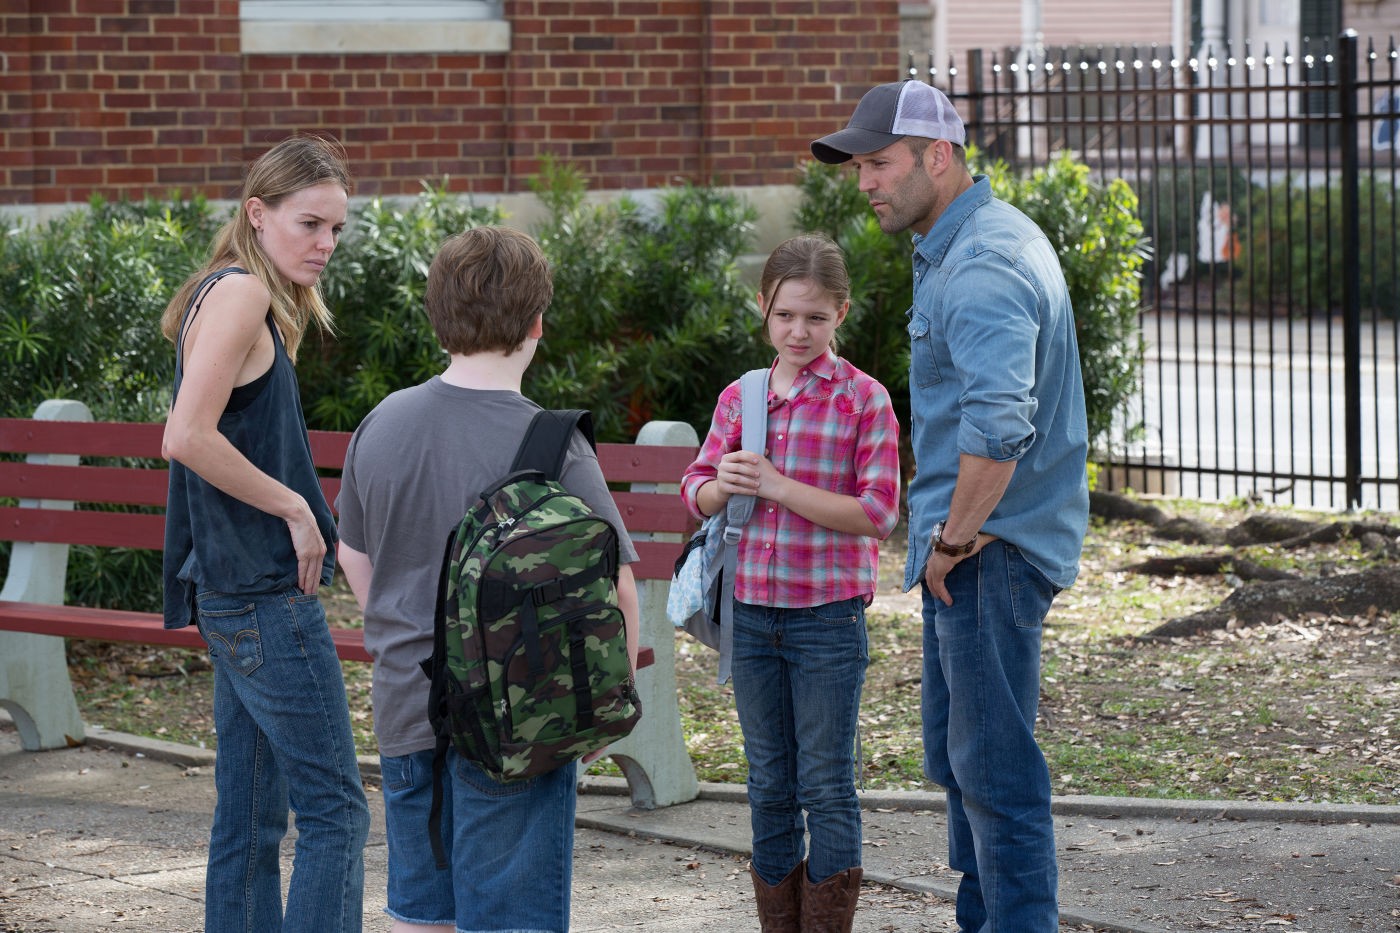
[(836, 430)]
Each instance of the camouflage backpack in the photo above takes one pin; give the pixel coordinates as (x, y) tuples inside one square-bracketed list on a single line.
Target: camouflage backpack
[(529, 668)]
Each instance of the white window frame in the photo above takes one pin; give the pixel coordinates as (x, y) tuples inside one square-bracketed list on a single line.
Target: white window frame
[(340, 26)]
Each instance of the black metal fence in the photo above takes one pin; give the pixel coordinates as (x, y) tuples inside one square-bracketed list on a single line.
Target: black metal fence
[(1267, 186)]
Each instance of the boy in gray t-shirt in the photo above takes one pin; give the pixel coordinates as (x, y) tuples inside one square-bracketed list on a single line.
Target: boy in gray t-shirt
[(415, 465)]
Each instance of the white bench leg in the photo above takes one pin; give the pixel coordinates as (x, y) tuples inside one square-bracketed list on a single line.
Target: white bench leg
[(36, 692), (654, 758), (34, 684)]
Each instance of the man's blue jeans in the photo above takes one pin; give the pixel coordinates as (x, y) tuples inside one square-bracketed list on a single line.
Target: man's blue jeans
[(980, 693), (284, 739), (797, 675)]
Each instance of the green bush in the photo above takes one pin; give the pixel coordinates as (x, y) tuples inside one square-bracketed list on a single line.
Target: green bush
[(1294, 253), (651, 318), (1170, 207), (1094, 229), (374, 286), (80, 304)]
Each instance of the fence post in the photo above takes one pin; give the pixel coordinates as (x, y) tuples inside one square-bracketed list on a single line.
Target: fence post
[(1351, 266), (654, 757), (976, 99)]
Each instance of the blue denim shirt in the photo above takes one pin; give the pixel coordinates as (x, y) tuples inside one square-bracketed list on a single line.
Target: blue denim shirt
[(994, 372)]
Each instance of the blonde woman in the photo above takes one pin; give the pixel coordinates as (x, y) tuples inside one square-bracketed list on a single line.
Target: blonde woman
[(249, 538)]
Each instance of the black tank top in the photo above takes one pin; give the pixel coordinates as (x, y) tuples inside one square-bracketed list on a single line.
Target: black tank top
[(214, 542)]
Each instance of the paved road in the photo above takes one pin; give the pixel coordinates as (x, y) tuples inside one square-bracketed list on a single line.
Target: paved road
[(1239, 396)]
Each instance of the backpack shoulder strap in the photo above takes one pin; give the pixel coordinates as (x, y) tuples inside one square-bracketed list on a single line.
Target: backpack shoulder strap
[(546, 440), (753, 389), (753, 392)]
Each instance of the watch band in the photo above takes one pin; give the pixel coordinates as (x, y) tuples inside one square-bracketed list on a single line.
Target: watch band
[(952, 550)]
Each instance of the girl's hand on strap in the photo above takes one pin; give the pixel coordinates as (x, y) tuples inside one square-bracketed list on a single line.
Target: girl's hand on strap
[(738, 474)]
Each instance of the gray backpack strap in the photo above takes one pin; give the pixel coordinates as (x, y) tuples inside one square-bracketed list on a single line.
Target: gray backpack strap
[(753, 391)]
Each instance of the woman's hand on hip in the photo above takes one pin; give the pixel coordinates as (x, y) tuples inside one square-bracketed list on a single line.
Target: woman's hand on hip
[(310, 547)]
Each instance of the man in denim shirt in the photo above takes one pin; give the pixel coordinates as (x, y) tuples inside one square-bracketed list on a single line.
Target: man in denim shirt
[(999, 504)]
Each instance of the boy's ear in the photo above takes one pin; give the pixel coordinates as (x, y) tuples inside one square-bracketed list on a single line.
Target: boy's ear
[(537, 328)]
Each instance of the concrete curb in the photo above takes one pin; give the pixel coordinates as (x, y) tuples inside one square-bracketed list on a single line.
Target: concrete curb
[(1085, 805), (190, 756), (1079, 805)]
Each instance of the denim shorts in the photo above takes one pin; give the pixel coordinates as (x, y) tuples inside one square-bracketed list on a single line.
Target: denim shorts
[(510, 846)]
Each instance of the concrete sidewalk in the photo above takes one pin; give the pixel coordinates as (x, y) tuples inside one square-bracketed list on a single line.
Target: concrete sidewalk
[(101, 839)]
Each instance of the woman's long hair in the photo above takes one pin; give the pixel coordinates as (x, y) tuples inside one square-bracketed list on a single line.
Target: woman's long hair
[(292, 165)]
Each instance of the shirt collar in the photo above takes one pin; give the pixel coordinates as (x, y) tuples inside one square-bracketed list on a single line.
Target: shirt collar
[(933, 245), (827, 367), (824, 366)]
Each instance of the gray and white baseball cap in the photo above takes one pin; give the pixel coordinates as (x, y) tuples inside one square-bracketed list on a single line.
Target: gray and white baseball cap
[(889, 112)]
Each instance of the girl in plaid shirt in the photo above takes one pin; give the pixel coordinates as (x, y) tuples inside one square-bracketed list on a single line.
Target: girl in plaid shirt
[(827, 492)]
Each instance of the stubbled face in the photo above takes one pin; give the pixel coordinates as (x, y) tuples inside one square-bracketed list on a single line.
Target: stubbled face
[(801, 318), (300, 233), (901, 193)]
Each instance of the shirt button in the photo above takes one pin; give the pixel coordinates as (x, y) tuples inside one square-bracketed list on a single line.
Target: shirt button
[(768, 547), (780, 437)]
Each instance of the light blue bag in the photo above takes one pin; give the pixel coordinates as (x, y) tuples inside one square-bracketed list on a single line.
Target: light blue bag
[(701, 599)]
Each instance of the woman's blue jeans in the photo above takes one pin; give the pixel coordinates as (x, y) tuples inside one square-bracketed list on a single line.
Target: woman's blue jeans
[(980, 694), (798, 675), (284, 740)]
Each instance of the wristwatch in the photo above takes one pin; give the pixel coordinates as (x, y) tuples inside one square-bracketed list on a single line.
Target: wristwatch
[(952, 550)]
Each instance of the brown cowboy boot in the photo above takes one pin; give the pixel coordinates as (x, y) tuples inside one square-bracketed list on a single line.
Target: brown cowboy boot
[(780, 905), (830, 907)]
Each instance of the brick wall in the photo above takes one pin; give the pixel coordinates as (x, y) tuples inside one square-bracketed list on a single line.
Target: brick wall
[(126, 98)]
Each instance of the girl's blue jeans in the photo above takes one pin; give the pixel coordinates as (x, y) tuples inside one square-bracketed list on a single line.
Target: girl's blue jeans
[(797, 676), (980, 694), (284, 740)]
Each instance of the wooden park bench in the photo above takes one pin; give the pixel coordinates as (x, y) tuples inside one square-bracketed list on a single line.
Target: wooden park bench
[(73, 463)]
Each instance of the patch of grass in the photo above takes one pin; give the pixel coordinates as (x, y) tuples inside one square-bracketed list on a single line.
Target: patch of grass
[(168, 693)]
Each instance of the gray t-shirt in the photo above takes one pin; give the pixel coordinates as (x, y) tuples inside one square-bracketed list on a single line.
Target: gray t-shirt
[(415, 465)]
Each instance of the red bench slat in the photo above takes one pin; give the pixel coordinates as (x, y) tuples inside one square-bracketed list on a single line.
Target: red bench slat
[(146, 628), (67, 526), (129, 485), (140, 627)]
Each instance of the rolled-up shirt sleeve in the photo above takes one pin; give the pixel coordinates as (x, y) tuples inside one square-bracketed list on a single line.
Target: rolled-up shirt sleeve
[(877, 461), (994, 345)]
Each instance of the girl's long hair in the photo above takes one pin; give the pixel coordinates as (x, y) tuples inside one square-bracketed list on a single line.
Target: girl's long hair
[(296, 163)]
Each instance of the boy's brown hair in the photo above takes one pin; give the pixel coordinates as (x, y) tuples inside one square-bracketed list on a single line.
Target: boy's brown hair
[(485, 288)]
